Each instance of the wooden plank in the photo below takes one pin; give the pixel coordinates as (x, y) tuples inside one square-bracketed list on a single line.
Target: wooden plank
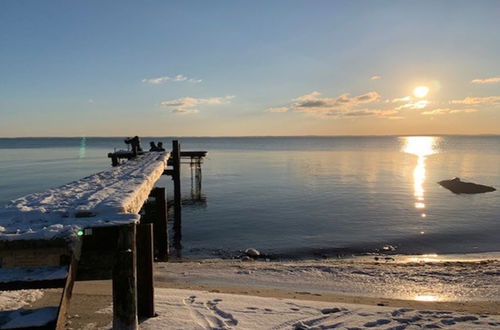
[(145, 281), (26, 278), (193, 153), (98, 254), (125, 280), (29, 319), (33, 257), (33, 253), (68, 289)]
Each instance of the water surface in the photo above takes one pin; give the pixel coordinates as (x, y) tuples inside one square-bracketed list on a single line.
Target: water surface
[(307, 196)]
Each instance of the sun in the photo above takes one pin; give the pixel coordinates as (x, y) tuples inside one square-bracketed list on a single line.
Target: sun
[(421, 91)]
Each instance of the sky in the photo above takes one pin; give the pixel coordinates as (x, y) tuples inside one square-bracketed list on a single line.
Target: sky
[(249, 68)]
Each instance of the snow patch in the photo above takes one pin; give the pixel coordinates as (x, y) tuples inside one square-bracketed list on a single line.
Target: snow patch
[(191, 309), (15, 299)]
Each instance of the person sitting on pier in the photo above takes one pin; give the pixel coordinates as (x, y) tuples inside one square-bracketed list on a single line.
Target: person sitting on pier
[(153, 146), (135, 143), (160, 147)]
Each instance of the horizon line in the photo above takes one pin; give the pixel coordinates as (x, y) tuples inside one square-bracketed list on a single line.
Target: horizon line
[(242, 136)]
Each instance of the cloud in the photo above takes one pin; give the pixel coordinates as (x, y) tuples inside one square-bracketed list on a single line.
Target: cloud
[(182, 111), (414, 105), (278, 109), (486, 80), (401, 99), (164, 79), (447, 111), (376, 77), (156, 81), (478, 100), (343, 105), (91, 101), (186, 105), (370, 112), (313, 102)]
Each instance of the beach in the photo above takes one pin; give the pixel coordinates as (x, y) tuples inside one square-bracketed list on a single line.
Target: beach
[(445, 292), (250, 164)]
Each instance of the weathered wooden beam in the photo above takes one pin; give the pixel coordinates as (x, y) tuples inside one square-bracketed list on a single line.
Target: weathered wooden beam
[(98, 254), (176, 158), (145, 281), (68, 289), (193, 154), (125, 280), (160, 223)]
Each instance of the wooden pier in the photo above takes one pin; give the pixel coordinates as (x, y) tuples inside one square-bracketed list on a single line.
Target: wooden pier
[(111, 225)]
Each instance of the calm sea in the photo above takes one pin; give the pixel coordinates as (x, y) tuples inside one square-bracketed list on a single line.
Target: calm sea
[(301, 197)]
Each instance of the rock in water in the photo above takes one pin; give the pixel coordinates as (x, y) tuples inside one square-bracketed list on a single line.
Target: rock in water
[(252, 252), (246, 259), (457, 186)]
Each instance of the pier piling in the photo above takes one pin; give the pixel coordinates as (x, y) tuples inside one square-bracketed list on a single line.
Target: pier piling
[(160, 232), (125, 280), (145, 280), (176, 158)]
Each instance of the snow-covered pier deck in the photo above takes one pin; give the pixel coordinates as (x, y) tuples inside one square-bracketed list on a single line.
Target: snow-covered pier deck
[(93, 228), (111, 197)]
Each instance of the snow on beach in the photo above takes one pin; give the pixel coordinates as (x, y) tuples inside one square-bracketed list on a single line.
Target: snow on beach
[(10, 300), (202, 295), (109, 197), (194, 309), (437, 290), (436, 281)]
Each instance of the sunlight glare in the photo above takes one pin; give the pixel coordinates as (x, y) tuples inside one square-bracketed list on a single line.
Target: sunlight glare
[(420, 146), (421, 91), (426, 298)]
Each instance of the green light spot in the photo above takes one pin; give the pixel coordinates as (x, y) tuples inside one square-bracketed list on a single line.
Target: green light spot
[(80, 233)]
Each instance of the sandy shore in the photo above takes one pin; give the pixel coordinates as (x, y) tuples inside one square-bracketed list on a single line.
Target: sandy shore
[(90, 305), (311, 282)]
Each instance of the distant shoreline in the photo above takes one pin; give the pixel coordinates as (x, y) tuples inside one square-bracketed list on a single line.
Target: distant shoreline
[(249, 136)]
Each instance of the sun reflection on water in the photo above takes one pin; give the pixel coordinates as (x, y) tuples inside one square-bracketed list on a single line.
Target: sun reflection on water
[(426, 298), (431, 257), (420, 146)]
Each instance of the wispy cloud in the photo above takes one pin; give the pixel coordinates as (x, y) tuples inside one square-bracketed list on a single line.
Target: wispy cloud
[(478, 100), (182, 111), (278, 109), (186, 105), (371, 112), (447, 111), (314, 102), (164, 79), (486, 80), (421, 104), (343, 105), (401, 99), (376, 77)]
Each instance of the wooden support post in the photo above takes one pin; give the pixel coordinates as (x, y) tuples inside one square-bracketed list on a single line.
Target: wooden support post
[(125, 280), (160, 231), (63, 311), (114, 160), (176, 156), (145, 282)]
